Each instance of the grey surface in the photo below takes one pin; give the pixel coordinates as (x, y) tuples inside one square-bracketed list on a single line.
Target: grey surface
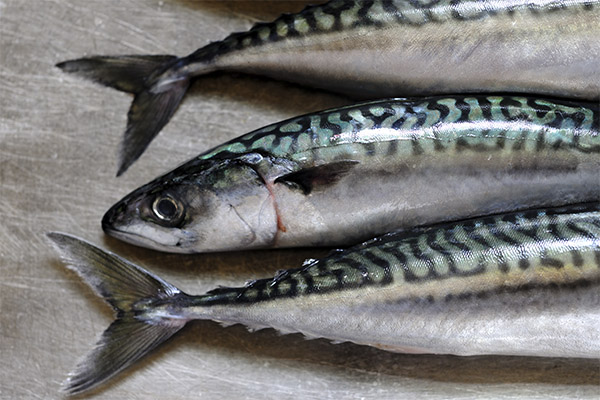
[(58, 140)]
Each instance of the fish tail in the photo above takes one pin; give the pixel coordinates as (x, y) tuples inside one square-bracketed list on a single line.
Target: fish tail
[(131, 291), (158, 90)]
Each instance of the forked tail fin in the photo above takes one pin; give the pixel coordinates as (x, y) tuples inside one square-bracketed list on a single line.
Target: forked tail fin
[(127, 288), (156, 98)]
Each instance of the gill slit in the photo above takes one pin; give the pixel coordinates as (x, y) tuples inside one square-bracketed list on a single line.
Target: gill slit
[(278, 220)]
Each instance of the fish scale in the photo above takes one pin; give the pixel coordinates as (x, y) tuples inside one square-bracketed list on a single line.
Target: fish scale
[(378, 49), (340, 176), (523, 283)]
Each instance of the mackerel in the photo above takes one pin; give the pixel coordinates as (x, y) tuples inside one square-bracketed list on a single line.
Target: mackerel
[(340, 176), (377, 49), (518, 284)]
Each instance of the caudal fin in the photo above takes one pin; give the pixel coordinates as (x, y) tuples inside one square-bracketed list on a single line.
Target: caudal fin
[(127, 288), (155, 101)]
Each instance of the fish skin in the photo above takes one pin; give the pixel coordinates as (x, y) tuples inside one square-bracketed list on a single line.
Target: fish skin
[(516, 284), (340, 176), (377, 49)]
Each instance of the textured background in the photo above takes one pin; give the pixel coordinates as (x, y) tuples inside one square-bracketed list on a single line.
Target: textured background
[(58, 140)]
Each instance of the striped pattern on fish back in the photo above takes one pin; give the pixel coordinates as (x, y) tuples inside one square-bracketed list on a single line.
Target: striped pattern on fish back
[(403, 127), (346, 15), (544, 248)]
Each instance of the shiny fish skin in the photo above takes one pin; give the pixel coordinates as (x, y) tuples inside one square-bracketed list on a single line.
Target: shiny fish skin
[(341, 176), (377, 49), (518, 284)]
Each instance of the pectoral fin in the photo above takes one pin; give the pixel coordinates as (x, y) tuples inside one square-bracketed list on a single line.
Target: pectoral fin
[(314, 178)]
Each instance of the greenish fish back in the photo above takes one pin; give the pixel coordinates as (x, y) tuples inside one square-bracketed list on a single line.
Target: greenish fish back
[(400, 127)]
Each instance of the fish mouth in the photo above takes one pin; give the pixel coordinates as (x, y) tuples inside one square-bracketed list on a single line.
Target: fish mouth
[(115, 224), (176, 245), (116, 232)]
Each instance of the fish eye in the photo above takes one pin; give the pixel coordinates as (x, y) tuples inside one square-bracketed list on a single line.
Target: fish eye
[(167, 210)]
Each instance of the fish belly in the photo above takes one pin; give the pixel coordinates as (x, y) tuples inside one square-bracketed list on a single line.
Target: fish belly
[(546, 322)]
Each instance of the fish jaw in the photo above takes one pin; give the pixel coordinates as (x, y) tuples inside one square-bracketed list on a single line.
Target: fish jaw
[(140, 234)]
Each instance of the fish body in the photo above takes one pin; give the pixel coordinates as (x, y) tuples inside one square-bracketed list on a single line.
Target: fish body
[(378, 49), (515, 284), (341, 176)]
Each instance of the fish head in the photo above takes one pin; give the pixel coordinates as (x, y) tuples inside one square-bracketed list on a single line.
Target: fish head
[(202, 206)]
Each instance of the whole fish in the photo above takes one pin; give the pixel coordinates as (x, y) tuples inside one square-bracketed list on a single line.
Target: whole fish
[(346, 175), (377, 49), (517, 284)]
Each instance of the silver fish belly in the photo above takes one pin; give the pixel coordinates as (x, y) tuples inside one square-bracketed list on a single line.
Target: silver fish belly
[(341, 176), (377, 49), (515, 284)]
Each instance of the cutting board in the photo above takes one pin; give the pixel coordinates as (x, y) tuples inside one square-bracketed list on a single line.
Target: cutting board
[(59, 136)]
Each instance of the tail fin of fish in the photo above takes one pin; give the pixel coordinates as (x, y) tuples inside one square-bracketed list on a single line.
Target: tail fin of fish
[(156, 97), (130, 290)]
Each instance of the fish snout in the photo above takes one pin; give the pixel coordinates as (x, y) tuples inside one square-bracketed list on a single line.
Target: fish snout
[(114, 219)]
